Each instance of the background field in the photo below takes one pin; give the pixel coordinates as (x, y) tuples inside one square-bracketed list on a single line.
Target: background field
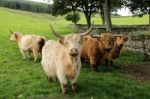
[(24, 79)]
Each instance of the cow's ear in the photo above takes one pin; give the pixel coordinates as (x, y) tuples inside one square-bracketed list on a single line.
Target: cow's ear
[(16, 36), (61, 40)]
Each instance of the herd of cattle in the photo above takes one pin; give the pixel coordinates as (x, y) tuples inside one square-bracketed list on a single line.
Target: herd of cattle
[(61, 59)]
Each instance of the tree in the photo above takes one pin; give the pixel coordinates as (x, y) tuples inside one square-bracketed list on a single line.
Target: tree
[(88, 7), (73, 17), (139, 7), (107, 15), (115, 4)]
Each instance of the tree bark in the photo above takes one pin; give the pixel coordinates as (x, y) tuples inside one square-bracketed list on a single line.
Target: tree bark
[(88, 20), (107, 15), (149, 23)]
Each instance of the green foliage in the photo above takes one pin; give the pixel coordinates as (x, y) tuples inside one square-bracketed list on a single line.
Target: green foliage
[(73, 17), (138, 7), (88, 7), (27, 6), (24, 79), (60, 8)]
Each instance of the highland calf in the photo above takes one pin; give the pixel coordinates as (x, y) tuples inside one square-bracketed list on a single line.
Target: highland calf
[(94, 48), (61, 59), (28, 44)]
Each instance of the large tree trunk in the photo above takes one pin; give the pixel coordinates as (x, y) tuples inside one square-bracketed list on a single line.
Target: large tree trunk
[(107, 15), (88, 20)]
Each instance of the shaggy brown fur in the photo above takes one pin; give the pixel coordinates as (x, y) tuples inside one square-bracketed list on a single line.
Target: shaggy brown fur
[(115, 52), (94, 49)]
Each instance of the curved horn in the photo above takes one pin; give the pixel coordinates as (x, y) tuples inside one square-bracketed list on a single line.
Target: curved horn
[(88, 31), (11, 32), (56, 34)]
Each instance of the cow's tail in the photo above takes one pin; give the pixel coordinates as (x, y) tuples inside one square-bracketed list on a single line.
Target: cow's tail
[(41, 44)]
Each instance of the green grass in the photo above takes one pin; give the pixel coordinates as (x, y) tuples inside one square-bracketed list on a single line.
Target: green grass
[(23, 79), (118, 20)]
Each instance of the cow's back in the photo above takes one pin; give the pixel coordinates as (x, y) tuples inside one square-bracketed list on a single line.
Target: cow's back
[(29, 41), (90, 48)]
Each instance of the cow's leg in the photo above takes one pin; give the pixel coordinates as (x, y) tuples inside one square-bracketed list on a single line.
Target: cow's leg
[(74, 87), (62, 80), (64, 88), (74, 79), (74, 84), (111, 63), (94, 67), (94, 63), (106, 62), (29, 54), (50, 79), (23, 53), (35, 53)]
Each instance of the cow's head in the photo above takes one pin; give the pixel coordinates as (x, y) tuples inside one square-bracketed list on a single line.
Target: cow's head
[(71, 42), (106, 40), (13, 36), (121, 40)]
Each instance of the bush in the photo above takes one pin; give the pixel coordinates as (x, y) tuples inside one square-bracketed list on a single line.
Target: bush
[(73, 17)]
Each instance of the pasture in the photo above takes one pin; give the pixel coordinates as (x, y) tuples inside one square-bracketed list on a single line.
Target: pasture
[(24, 79)]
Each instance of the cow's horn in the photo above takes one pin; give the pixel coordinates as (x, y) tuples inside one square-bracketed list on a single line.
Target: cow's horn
[(11, 31), (88, 31), (56, 34)]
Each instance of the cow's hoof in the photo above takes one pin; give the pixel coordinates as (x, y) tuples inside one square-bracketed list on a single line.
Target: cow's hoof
[(74, 87), (75, 90), (35, 61)]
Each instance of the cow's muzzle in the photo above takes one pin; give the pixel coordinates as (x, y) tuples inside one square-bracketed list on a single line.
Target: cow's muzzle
[(108, 48), (74, 52)]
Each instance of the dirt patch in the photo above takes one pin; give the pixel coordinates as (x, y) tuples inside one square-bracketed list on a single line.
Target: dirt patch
[(139, 72)]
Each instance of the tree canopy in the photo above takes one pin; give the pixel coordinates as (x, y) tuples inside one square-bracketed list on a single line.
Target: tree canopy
[(27, 6), (139, 7)]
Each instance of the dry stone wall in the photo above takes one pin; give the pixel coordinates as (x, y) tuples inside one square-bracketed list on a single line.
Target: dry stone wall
[(140, 44)]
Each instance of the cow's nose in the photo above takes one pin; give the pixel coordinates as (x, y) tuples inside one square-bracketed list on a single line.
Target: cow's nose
[(121, 45), (108, 48), (74, 52)]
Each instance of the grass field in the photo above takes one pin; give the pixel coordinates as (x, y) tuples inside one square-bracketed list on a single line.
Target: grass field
[(23, 79)]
